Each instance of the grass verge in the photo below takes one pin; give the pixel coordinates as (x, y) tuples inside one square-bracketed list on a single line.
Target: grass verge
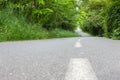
[(13, 28)]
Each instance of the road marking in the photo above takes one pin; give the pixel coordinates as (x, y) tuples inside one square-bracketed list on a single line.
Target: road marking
[(80, 69), (10, 74), (78, 44), (79, 39)]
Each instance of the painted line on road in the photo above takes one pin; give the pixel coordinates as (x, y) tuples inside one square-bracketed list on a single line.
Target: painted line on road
[(80, 69), (78, 44)]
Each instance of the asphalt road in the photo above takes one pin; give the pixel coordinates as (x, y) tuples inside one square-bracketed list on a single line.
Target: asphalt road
[(51, 59)]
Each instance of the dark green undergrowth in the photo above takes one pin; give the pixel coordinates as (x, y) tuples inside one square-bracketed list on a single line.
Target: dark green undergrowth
[(93, 23), (102, 18), (37, 19), (112, 27), (16, 28)]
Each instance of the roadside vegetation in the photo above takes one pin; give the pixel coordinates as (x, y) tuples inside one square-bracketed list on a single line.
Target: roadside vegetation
[(43, 19), (37, 19), (101, 17)]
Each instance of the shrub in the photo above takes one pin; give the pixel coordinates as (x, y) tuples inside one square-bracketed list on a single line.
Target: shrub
[(113, 19), (116, 34), (14, 28), (66, 25), (93, 25)]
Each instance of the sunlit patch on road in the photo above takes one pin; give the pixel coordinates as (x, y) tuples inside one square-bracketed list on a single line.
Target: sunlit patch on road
[(80, 69)]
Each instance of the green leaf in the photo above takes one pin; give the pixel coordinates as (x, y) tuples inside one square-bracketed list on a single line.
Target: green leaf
[(41, 2)]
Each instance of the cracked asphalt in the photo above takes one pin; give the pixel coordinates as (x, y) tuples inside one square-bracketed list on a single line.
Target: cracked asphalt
[(49, 59)]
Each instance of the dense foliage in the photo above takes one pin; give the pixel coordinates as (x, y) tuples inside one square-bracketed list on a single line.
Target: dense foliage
[(102, 17), (39, 19), (36, 19), (113, 20)]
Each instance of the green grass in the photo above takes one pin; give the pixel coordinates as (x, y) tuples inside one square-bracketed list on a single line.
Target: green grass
[(13, 28), (58, 33)]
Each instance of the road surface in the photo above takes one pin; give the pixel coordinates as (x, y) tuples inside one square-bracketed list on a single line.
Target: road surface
[(80, 58)]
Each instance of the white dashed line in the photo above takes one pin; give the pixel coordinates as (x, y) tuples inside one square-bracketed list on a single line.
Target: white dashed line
[(80, 69), (78, 44), (10, 74)]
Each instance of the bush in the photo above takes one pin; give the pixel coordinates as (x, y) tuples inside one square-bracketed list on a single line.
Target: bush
[(93, 25), (16, 28), (116, 34), (66, 25), (113, 20), (13, 28)]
